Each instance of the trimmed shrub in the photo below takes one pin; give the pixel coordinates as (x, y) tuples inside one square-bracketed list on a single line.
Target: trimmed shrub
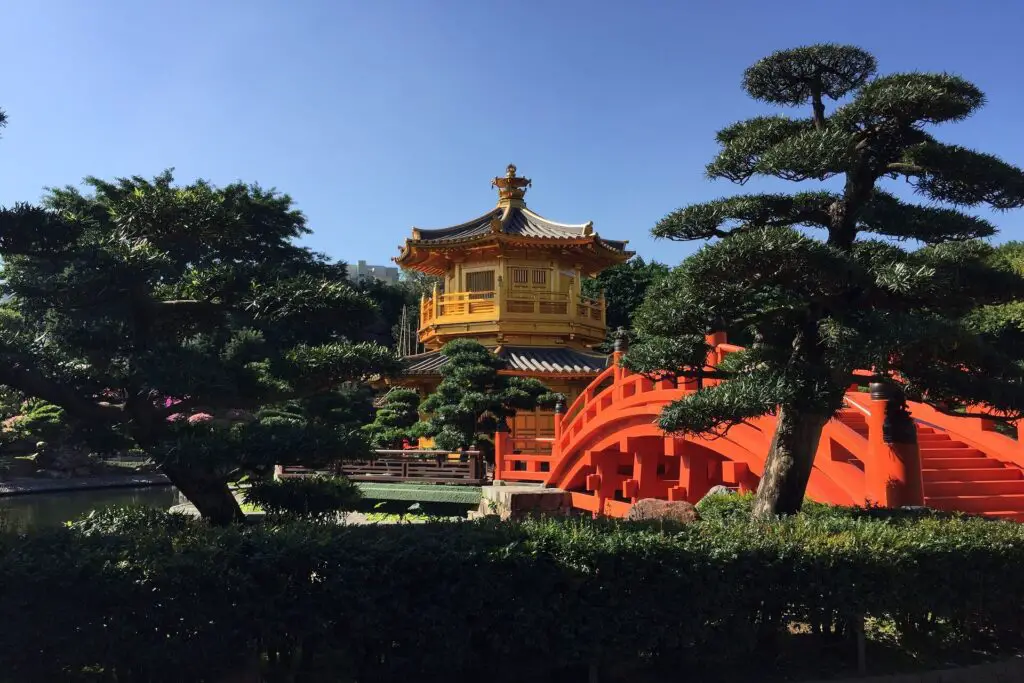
[(157, 598), (318, 498)]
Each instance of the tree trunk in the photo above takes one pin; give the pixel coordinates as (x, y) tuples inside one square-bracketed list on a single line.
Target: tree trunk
[(790, 459), (210, 495)]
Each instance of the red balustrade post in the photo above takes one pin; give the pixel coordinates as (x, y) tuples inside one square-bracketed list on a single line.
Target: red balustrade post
[(559, 419), (714, 357), (501, 444), (892, 472), (618, 351)]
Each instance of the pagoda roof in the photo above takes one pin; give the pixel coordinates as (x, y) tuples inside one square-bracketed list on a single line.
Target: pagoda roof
[(533, 359), (510, 222)]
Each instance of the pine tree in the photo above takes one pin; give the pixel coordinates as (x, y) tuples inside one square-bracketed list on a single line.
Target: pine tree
[(817, 309), (168, 313), (473, 398), (395, 419)]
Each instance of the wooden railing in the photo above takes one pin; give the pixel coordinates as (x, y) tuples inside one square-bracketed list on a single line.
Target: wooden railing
[(418, 466), (455, 307)]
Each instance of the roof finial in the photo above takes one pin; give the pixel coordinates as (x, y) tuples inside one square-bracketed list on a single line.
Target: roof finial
[(511, 188)]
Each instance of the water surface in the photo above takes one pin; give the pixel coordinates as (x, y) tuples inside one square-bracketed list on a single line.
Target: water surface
[(41, 510)]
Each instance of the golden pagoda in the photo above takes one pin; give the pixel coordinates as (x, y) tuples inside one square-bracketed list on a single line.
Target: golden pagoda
[(512, 281)]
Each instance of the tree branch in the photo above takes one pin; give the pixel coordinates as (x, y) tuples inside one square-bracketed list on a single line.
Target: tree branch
[(904, 168), (984, 416), (818, 115), (32, 383)]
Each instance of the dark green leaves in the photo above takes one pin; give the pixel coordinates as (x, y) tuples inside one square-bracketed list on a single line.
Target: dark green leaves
[(712, 411), (473, 398), (889, 216), (316, 499), (745, 142), (394, 419), (145, 290), (914, 98), (624, 287), (961, 176), (793, 76), (731, 215)]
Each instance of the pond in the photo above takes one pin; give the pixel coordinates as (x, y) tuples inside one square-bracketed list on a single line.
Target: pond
[(40, 510)]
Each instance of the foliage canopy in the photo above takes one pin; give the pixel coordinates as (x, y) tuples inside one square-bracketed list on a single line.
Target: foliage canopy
[(170, 313), (861, 297), (474, 398)]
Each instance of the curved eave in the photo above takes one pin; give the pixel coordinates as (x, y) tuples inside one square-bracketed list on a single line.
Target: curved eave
[(597, 249), (502, 238), (454, 231)]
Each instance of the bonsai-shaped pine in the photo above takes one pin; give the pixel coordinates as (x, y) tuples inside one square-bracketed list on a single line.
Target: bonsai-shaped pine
[(818, 309), (473, 398), (395, 419), (143, 301)]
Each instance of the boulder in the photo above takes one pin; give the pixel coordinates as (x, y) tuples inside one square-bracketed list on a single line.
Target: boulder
[(674, 511), (719, 490)]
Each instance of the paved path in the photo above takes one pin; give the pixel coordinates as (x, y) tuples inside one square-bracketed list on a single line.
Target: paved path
[(22, 485)]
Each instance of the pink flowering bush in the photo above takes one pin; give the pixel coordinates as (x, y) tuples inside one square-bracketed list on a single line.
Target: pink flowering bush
[(200, 417)]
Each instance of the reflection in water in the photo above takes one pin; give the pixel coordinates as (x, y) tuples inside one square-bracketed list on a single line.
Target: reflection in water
[(40, 510)]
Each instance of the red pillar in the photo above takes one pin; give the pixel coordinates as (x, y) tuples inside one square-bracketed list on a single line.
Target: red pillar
[(500, 449), (892, 472)]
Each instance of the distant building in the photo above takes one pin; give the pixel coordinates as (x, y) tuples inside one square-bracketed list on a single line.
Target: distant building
[(360, 270)]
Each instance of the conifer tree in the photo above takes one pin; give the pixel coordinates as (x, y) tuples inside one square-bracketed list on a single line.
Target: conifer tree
[(395, 419), (886, 286), (473, 398), (168, 313)]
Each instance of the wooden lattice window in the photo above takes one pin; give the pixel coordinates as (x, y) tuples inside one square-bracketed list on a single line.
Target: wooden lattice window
[(480, 281), (520, 276), (540, 277)]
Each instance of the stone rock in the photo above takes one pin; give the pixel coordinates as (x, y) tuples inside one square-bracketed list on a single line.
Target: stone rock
[(517, 502), (718, 490), (652, 508)]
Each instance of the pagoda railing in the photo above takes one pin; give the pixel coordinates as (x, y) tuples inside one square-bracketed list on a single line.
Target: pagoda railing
[(458, 307)]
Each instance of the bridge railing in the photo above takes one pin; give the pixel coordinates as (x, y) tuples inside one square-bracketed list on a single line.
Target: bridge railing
[(891, 463), (522, 459)]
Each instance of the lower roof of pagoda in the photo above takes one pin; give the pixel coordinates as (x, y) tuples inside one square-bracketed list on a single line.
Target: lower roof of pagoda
[(537, 360), (510, 225)]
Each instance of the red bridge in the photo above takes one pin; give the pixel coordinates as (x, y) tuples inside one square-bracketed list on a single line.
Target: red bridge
[(608, 452)]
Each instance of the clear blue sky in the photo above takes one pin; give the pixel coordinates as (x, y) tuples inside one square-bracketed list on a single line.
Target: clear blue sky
[(377, 115)]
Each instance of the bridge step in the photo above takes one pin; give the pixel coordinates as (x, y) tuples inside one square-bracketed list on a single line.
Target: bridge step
[(950, 452), (1008, 503), (932, 437), (1006, 515), (971, 475), (969, 463), (976, 488)]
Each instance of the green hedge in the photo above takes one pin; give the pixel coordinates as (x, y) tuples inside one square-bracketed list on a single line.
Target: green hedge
[(315, 499), (130, 596)]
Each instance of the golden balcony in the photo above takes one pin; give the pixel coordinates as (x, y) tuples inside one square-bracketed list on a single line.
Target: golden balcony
[(511, 313)]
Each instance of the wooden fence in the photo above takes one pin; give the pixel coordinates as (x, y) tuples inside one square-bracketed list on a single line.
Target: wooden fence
[(418, 466)]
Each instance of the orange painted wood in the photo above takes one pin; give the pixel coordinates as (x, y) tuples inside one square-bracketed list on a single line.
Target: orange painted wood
[(608, 443)]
